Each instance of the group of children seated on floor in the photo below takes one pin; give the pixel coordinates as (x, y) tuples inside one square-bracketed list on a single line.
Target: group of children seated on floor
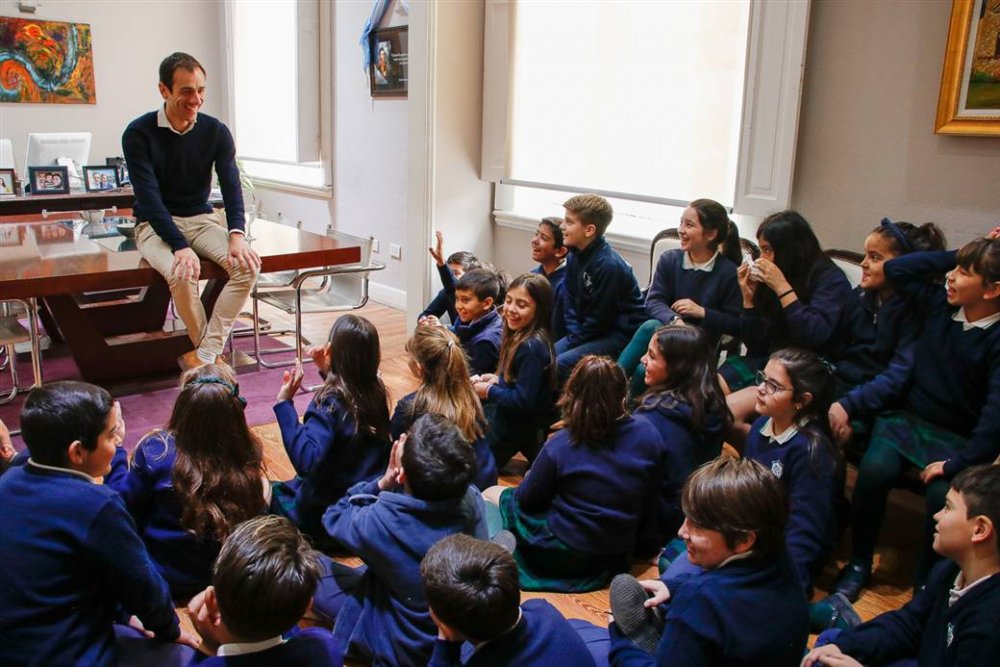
[(638, 410)]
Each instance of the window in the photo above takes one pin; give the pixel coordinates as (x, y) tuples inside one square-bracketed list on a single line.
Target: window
[(276, 91)]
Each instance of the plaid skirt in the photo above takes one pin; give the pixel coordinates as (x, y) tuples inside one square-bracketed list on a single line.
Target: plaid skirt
[(916, 440), (546, 563), (739, 372)]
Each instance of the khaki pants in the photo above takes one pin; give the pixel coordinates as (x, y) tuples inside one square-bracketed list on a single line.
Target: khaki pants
[(208, 236)]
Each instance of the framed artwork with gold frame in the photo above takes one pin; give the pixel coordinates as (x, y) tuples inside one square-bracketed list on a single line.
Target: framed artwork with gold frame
[(969, 102)]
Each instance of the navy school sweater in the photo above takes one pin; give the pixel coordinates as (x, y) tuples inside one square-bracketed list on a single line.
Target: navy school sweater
[(811, 530), (310, 647), (72, 561), (171, 173), (956, 373), (481, 341), (542, 638), (557, 281), (602, 296), (386, 620), (717, 291), (444, 301), (745, 613), (486, 467), (602, 499), (530, 396), (328, 456), (683, 450), (816, 322), (963, 634), (878, 361)]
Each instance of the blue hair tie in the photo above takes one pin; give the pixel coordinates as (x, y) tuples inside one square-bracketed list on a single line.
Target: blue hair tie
[(899, 235), (234, 389)]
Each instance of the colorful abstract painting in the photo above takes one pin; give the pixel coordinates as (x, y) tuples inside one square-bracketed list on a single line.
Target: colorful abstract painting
[(46, 62)]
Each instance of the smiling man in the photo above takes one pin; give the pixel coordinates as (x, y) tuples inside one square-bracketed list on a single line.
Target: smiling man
[(170, 154)]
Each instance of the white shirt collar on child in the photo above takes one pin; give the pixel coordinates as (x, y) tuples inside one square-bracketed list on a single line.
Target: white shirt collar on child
[(58, 469), (981, 323), (767, 430), (959, 588), (243, 648), (688, 264)]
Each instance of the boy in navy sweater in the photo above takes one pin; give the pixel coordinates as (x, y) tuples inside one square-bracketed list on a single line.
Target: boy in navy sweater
[(549, 250), (603, 303), (449, 271), (262, 584), (479, 326), (73, 561), (473, 590), (390, 523), (951, 621)]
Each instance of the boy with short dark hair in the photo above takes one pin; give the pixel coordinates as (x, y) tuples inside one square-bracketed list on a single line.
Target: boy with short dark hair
[(604, 306), (479, 326), (549, 250), (263, 583), (390, 523), (473, 590), (952, 620), (72, 559)]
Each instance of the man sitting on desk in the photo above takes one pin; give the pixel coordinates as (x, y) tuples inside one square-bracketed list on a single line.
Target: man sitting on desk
[(170, 153)]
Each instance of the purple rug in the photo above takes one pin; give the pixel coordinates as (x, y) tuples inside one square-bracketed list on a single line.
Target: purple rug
[(145, 410)]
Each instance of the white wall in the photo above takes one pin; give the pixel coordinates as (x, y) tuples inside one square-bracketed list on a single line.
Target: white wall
[(129, 41), (867, 147)]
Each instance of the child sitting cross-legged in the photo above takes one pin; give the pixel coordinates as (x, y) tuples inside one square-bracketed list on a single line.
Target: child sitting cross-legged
[(449, 270), (390, 523), (472, 588), (262, 584), (952, 620)]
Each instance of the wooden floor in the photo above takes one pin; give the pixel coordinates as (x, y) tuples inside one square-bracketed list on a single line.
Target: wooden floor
[(895, 559)]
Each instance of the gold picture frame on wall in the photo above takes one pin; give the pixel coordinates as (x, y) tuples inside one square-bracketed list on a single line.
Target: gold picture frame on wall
[(969, 102)]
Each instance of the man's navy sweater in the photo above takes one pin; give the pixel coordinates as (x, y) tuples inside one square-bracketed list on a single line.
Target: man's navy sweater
[(481, 341), (963, 634), (72, 560), (602, 296), (717, 291), (542, 638), (171, 173), (956, 373)]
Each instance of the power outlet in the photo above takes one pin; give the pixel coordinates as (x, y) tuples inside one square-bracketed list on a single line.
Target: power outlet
[(375, 246), (395, 251)]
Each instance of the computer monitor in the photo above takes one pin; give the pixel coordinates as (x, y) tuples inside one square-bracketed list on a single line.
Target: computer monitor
[(46, 148)]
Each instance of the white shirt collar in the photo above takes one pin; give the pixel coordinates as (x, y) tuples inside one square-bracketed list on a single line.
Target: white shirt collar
[(163, 121), (243, 648), (735, 557), (42, 466), (981, 323), (959, 588), (767, 430), (688, 264)]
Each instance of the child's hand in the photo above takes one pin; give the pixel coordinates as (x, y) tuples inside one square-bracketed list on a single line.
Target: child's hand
[(688, 308), (7, 451), (768, 273), (830, 654), (318, 353), (657, 589), (994, 233), (748, 286), (291, 381), (207, 620), (932, 472), (482, 389), (136, 624), (119, 424), (437, 252), (390, 479), (840, 423)]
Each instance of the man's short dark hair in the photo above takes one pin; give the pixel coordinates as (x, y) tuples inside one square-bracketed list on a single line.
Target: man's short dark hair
[(264, 578), (57, 414), (472, 586), (439, 463), (736, 497), (980, 489), (173, 62), (483, 281)]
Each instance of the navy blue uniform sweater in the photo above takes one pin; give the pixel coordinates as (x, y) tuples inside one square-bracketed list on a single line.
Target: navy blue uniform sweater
[(386, 620), (816, 322), (683, 450), (743, 613), (557, 280), (529, 397), (311, 647), (444, 301), (928, 629), (542, 638), (72, 560), (171, 173), (602, 499), (602, 296), (328, 456), (956, 373), (878, 361), (486, 467), (717, 291), (481, 341), (811, 530)]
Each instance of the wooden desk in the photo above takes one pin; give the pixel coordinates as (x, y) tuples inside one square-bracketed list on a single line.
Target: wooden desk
[(128, 337), (75, 201)]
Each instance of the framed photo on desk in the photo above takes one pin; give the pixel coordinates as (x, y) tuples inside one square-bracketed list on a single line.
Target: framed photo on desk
[(100, 178), (7, 182), (49, 180)]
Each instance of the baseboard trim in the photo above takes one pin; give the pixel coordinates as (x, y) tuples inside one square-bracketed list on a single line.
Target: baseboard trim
[(387, 296)]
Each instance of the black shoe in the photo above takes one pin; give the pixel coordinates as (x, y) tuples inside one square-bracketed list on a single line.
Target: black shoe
[(641, 625), (852, 580), (844, 616)]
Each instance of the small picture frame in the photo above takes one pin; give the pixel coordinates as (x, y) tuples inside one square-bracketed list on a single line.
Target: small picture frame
[(389, 62), (49, 180), (119, 164), (7, 187), (98, 178)]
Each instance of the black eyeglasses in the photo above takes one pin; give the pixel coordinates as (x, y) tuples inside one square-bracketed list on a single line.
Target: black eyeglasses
[(770, 386)]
